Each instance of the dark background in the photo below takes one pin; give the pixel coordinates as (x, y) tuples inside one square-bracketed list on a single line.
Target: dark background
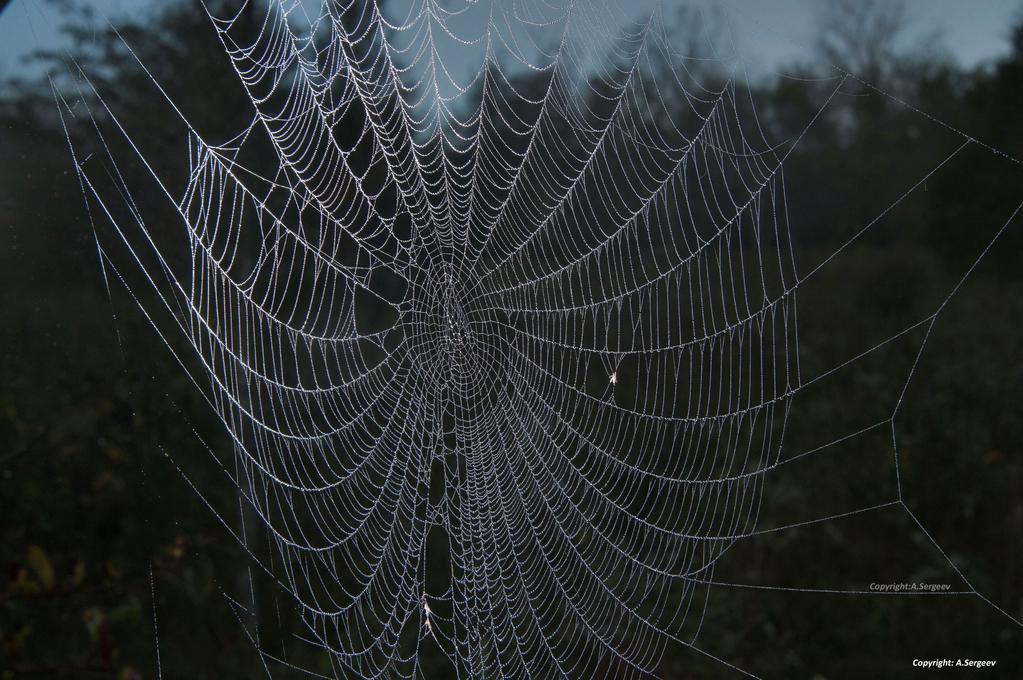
[(99, 428)]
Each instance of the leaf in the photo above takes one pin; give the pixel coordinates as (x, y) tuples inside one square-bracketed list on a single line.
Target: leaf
[(40, 564), (23, 584), (130, 611), (93, 619), (78, 574)]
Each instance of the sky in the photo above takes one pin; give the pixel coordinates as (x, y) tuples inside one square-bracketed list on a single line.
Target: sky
[(973, 31)]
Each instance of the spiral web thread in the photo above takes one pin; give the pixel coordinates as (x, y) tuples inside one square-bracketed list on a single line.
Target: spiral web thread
[(546, 338)]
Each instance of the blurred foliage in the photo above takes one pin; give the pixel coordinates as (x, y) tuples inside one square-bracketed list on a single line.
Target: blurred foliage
[(95, 416)]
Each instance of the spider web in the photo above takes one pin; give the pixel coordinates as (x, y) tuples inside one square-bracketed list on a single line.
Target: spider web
[(537, 334)]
